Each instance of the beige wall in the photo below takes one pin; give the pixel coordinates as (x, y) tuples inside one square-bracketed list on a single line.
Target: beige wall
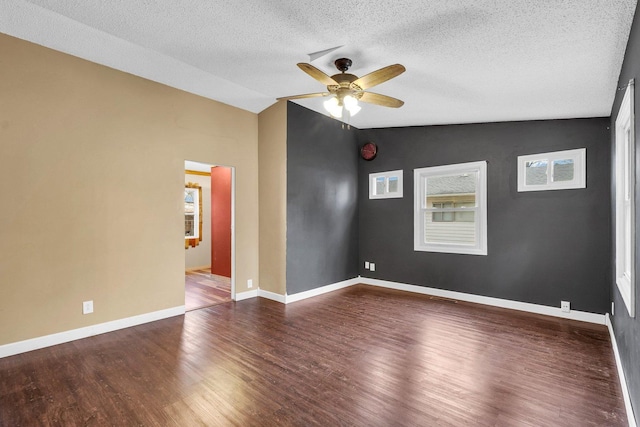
[(272, 125), (97, 212), (200, 256)]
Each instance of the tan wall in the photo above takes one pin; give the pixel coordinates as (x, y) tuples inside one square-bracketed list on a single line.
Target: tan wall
[(273, 197), (200, 256), (97, 210)]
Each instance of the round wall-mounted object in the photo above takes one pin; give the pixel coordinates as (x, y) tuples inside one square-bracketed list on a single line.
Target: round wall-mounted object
[(368, 151)]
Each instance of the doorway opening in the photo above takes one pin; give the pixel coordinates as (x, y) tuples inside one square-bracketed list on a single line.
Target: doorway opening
[(209, 235)]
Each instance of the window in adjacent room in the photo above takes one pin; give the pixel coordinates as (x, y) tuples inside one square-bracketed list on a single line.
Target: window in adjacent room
[(559, 170), (385, 185), (625, 200), (192, 215), (451, 209)]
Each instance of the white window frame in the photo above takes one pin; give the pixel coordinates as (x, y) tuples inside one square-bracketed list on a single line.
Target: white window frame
[(398, 174), (420, 208), (196, 214), (625, 199), (579, 157)]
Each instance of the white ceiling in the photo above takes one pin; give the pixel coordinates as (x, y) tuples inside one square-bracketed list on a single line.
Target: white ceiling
[(467, 62)]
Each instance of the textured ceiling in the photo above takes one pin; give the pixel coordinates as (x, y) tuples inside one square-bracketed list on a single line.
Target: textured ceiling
[(480, 61)]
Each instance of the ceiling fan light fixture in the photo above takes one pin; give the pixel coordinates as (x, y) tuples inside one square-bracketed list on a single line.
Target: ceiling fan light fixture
[(349, 101), (346, 90), (351, 104), (332, 105)]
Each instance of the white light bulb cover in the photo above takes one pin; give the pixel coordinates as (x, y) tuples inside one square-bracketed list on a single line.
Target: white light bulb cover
[(331, 102), (349, 102), (333, 107)]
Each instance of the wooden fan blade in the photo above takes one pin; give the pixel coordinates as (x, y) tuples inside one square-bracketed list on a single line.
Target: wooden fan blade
[(317, 74), (306, 95), (377, 77), (384, 100)]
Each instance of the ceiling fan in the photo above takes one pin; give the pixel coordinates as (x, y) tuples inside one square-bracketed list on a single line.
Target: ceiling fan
[(347, 89)]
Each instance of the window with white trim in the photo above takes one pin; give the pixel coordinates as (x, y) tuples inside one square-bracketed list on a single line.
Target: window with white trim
[(450, 208), (192, 211), (559, 170), (385, 185), (625, 200)]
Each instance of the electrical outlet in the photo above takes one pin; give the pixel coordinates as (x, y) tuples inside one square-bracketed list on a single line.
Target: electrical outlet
[(250, 283), (613, 308), (87, 307), (366, 265), (565, 306), (372, 266)]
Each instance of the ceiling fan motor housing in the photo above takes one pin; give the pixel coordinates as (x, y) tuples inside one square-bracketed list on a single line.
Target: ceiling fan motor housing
[(343, 64), (344, 87), (344, 80)]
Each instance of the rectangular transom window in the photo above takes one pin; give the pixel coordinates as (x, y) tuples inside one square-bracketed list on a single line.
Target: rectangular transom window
[(450, 212), (560, 170), (385, 185)]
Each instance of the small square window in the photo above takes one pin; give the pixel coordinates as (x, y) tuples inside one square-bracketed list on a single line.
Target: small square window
[(563, 170), (536, 172), (393, 184), (385, 185)]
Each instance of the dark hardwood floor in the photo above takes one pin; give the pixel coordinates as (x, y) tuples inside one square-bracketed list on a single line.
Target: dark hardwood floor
[(361, 356), (203, 289)]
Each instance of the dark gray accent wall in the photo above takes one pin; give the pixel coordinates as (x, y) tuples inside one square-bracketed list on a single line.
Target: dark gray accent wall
[(627, 329), (322, 203), (543, 247)]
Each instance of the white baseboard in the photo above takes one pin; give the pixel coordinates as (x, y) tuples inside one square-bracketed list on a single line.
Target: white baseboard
[(623, 380), (496, 302), (246, 295), (321, 290), (88, 331), (288, 299), (272, 296)]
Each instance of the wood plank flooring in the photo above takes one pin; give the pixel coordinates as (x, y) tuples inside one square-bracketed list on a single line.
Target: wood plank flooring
[(203, 289), (361, 356)]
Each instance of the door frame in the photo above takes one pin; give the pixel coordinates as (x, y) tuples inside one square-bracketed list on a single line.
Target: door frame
[(233, 220)]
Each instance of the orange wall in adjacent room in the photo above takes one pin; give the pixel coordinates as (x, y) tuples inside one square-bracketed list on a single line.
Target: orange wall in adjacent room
[(221, 221)]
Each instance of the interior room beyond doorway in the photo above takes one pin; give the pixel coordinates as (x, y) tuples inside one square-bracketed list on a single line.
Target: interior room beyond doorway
[(208, 195)]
